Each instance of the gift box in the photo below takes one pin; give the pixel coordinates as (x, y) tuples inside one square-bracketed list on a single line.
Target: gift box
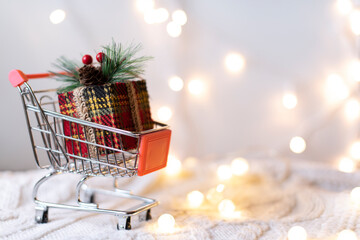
[(123, 105)]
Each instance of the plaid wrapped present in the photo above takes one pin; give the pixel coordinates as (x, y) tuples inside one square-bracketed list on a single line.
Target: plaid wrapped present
[(119, 105)]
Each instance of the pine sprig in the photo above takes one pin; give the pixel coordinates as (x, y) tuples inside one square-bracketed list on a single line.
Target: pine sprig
[(121, 64), (69, 74)]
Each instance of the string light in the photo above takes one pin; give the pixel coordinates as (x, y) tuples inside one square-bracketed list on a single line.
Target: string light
[(344, 6), (234, 62), (195, 199), (196, 87), (226, 208), (355, 150), (220, 188), (161, 15), (179, 16), (150, 16), (239, 166), (164, 114), (297, 145), (224, 172), (173, 29), (289, 100), (176, 83), (352, 109), (145, 5), (354, 19), (346, 165), (355, 195), (297, 233), (173, 166), (166, 223), (190, 162), (354, 70), (347, 235), (214, 196), (336, 89), (57, 16)]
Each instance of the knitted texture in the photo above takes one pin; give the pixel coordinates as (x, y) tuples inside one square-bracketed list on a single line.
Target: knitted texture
[(107, 105), (272, 198)]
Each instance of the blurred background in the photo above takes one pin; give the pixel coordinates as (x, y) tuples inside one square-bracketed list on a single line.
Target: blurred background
[(231, 78)]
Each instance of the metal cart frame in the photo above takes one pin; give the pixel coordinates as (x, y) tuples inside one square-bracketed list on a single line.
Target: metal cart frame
[(49, 142)]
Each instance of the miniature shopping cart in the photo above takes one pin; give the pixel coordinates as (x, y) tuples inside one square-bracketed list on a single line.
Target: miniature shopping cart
[(48, 140)]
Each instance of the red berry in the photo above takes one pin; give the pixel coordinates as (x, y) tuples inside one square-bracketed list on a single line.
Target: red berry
[(100, 57), (87, 59)]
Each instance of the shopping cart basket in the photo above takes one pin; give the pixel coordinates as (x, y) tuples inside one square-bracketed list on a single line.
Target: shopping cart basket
[(48, 140)]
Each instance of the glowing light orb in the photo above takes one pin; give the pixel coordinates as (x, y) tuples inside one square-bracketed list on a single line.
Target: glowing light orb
[(224, 172), (173, 166), (57, 16), (297, 145), (195, 199), (196, 87), (161, 15), (336, 88), (346, 165), (355, 150), (145, 5), (352, 109), (297, 233), (166, 223), (173, 29), (176, 83), (191, 162), (347, 235), (354, 19), (239, 166), (220, 188), (226, 208), (234, 62), (179, 16), (344, 6), (289, 100), (354, 70), (355, 195), (164, 114), (214, 196)]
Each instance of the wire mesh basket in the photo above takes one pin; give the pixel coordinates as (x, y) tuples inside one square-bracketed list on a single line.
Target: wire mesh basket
[(61, 152)]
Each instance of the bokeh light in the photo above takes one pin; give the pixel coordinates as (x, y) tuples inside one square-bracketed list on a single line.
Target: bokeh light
[(346, 165), (239, 166), (173, 166), (195, 199), (57, 16), (224, 172), (354, 19), (297, 233), (173, 29), (164, 114), (297, 145), (347, 235), (179, 16), (289, 100), (176, 83), (166, 223), (196, 87), (234, 62)]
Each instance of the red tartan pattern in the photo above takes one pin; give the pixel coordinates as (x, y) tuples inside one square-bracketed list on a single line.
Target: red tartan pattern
[(107, 105)]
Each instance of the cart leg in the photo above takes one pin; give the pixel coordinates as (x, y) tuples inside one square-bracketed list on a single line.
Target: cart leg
[(41, 214), (124, 223), (145, 216), (148, 215), (89, 196)]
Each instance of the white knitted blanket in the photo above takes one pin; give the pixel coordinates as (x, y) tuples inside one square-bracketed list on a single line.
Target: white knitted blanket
[(273, 197)]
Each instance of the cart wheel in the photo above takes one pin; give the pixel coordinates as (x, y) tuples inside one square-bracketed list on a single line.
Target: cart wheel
[(124, 223), (41, 216)]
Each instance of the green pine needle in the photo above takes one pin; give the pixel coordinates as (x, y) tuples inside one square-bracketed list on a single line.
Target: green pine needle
[(119, 65)]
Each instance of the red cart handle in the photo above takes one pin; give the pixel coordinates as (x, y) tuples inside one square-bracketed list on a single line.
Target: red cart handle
[(17, 77)]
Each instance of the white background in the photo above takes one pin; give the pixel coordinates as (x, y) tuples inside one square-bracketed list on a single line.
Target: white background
[(288, 45)]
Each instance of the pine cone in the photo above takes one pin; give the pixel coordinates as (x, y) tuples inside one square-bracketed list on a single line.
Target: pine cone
[(90, 75)]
